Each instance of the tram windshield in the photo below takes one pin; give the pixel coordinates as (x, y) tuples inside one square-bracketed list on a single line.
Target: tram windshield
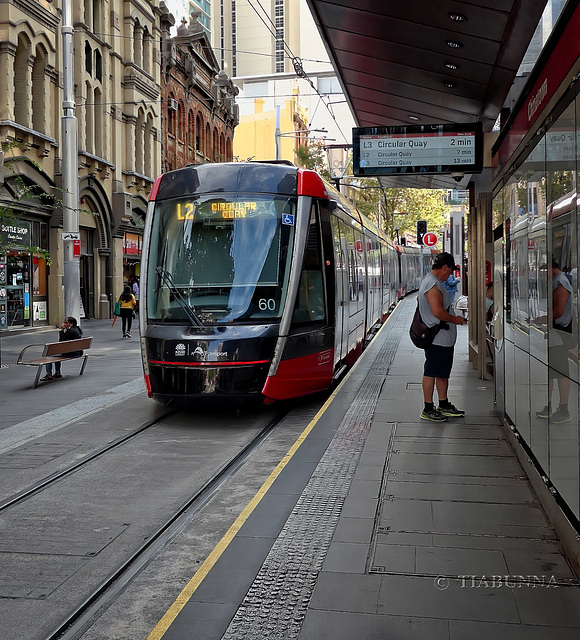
[(226, 257)]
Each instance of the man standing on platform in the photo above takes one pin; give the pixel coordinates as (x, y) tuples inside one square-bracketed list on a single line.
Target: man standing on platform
[(435, 307)]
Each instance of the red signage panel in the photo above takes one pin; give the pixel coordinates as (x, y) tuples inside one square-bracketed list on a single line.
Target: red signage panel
[(430, 239), (561, 60)]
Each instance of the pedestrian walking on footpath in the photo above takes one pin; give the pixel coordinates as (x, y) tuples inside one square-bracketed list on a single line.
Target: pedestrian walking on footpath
[(127, 300), (135, 288), (435, 307)]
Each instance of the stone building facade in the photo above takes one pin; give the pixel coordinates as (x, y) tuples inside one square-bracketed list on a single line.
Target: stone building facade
[(145, 103), (118, 106)]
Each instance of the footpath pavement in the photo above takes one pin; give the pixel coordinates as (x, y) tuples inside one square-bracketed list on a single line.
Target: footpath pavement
[(113, 373), (405, 530)]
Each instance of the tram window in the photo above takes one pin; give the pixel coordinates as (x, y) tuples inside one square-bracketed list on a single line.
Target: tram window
[(310, 305), (227, 257), (310, 299)]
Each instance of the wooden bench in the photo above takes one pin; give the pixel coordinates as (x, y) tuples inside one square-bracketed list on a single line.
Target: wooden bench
[(56, 352)]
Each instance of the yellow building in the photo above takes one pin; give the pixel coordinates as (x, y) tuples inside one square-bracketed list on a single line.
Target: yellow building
[(256, 137)]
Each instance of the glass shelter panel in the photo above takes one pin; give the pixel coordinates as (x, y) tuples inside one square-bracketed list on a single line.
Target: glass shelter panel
[(563, 448), (519, 295), (562, 290), (537, 251), (540, 286), (539, 401)]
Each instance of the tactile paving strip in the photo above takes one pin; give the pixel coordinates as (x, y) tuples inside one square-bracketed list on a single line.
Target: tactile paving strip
[(276, 604)]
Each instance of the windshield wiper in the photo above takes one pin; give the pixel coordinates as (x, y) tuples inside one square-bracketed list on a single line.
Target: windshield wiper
[(166, 277)]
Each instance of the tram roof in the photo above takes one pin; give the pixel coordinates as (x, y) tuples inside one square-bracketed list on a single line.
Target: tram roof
[(391, 60)]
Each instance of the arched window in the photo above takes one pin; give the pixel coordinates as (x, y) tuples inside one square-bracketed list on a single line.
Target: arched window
[(171, 114), (215, 150), (180, 120), (191, 129), (139, 144), (223, 148), (98, 119), (149, 142), (39, 91), (88, 58), (138, 44), (198, 133), (147, 49), (229, 150), (207, 141), (22, 82), (89, 119), (98, 65)]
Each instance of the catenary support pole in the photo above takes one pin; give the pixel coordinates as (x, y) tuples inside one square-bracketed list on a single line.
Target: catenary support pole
[(70, 178)]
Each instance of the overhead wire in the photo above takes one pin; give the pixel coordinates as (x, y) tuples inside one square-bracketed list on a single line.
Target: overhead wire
[(296, 62), (79, 103), (215, 48)]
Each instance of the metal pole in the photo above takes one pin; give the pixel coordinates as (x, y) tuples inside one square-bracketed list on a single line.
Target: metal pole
[(70, 180), (277, 134)]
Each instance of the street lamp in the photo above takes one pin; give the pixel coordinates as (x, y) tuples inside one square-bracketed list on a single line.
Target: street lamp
[(337, 166), (290, 134), (299, 133)]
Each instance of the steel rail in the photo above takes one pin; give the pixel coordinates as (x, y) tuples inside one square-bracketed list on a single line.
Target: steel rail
[(59, 475), (86, 613)]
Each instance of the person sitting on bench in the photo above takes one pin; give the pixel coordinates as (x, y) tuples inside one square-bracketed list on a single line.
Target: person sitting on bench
[(69, 330)]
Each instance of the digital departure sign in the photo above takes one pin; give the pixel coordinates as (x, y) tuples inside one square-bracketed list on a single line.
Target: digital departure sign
[(189, 210), (433, 148)]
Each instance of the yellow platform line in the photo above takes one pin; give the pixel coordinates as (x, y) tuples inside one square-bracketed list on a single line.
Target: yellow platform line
[(183, 598)]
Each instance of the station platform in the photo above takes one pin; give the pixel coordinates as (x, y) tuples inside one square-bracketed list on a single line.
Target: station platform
[(374, 525), (380, 525)]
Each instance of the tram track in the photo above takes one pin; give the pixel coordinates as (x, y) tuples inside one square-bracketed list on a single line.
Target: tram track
[(91, 608), (51, 479)]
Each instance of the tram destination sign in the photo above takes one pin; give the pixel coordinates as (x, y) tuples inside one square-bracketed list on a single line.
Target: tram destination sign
[(432, 148)]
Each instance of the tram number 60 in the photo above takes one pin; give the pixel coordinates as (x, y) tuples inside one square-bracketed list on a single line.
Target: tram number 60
[(269, 304)]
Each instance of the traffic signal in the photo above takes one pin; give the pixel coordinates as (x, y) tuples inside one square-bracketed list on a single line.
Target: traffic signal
[(421, 230)]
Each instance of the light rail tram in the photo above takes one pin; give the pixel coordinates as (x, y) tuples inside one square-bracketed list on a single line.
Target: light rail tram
[(260, 281)]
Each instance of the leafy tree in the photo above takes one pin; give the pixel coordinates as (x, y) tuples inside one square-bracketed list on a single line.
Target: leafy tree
[(397, 210), (409, 205), (313, 157)]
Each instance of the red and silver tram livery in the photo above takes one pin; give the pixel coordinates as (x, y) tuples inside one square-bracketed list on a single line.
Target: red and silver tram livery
[(257, 281)]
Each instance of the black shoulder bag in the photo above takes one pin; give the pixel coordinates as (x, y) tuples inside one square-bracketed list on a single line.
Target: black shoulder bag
[(421, 335)]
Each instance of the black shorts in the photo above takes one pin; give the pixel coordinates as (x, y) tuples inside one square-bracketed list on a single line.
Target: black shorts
[(438, 361)]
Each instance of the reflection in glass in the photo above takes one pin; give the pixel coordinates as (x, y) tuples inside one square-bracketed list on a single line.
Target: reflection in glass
[(563, 447), (539, 425), (540, 206), (497, 210)]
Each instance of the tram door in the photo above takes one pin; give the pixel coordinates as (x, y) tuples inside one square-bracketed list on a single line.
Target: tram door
[(342, 292), (498, 320)]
